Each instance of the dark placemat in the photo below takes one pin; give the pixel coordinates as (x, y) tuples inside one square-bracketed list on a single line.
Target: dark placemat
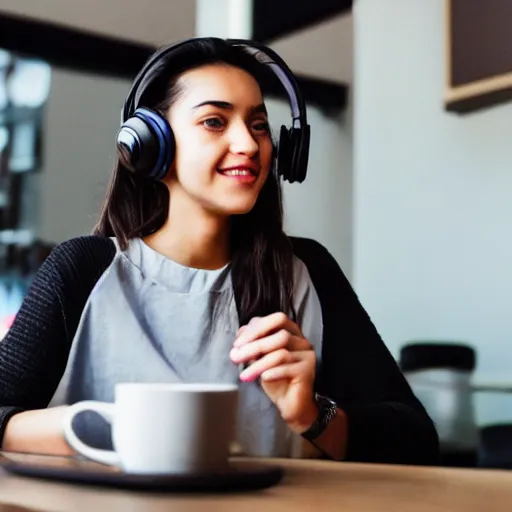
[(243, 475)]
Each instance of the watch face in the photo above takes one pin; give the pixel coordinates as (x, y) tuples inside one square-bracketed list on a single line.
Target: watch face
[(324, 401)]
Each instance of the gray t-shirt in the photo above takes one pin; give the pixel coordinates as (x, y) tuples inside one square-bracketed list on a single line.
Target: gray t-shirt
[(150, 319)]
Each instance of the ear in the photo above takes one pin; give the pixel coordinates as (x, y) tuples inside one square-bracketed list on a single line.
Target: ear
[(170, 175)]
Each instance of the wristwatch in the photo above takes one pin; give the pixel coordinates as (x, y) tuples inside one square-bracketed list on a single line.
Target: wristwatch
[(327, 410)]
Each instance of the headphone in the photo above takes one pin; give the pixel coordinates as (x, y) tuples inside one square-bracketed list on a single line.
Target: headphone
[(145, 142)]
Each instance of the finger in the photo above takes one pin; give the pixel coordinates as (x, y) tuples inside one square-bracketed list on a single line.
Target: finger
[(303, 367), (243, 327), (259, 327), (240, 331), (276, 358), (289, 371), (260, 347), (276, 341), (268, 361)]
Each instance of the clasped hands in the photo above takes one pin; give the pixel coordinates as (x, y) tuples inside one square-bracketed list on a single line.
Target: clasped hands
[(278, 354)]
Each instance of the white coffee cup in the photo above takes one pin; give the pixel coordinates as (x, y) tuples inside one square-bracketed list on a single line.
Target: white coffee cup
[(163, 428)]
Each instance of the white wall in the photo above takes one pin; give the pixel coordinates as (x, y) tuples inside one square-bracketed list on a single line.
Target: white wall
[(82, 119), (432, 195), (321, 207), (324, 50)]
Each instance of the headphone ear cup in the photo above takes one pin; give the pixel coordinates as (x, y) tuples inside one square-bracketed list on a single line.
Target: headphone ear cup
[(302, 153), (137, 147), (283, 154), (294, 135), (299, 153), (145, 144)]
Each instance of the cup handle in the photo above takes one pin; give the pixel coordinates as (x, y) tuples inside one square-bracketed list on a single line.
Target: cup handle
[(105, 410)]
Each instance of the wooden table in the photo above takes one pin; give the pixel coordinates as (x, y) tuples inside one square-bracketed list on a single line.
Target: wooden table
[(308, 486)]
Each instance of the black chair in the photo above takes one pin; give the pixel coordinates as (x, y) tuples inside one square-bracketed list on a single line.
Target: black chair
[(422, 355), (495, 450), (456, 425)]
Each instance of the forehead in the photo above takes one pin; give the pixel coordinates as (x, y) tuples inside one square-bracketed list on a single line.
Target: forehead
[(220, 82)]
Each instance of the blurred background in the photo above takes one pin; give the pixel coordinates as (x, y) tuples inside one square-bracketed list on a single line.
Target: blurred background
[(410, 171)]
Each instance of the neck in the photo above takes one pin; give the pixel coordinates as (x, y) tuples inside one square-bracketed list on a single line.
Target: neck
[(193, 239)]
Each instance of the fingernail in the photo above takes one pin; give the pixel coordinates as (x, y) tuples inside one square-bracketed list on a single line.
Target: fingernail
[(239, 341), (234, 352), (246, 377)]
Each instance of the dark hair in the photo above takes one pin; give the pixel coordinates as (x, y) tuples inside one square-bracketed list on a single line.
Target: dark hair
[(261, 253)]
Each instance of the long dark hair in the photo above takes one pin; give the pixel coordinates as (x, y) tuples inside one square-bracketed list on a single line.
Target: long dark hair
[(261, 253)]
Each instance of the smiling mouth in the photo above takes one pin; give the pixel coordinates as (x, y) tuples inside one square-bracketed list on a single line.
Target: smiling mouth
[(235, 173)]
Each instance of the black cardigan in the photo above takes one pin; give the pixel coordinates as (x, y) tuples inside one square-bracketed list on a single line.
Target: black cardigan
[(386, 421)]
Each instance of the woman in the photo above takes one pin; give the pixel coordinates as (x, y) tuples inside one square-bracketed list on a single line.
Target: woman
[(191, 277)]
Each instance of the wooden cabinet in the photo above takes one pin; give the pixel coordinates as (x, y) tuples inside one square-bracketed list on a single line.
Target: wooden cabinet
[(478, 54)]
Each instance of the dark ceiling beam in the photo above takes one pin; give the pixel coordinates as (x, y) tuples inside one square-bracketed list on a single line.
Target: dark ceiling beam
[(71, 48), (83, 51), (273, 19)]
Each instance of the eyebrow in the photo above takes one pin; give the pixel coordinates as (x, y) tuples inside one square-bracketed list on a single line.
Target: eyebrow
[(225, 105)]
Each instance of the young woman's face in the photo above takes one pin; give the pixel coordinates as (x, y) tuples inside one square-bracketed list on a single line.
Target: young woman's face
[(223, 143)]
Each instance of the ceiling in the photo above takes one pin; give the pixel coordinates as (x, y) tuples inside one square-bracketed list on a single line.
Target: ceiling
[(157, 22), (152, 21)]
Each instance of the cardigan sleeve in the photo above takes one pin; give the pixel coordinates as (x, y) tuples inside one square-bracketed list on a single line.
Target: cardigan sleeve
[(34, 352), (386, 422)]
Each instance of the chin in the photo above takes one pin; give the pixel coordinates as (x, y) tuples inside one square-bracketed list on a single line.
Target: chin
[(237, 207), (241, 210)]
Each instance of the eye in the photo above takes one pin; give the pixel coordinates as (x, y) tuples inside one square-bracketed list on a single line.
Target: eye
[(261, 126), (214, 123)]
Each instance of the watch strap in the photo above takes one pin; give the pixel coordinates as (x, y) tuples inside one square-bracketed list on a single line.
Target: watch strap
[(327, 410)]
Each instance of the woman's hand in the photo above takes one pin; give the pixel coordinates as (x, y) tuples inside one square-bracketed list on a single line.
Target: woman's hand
[(284, 361)]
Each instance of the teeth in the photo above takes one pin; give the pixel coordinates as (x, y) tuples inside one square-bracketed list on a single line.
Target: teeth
[(237, 172)]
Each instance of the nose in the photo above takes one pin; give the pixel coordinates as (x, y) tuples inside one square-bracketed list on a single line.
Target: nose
[(243, 141)]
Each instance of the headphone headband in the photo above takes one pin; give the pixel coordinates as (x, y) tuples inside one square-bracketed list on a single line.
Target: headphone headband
[(133, 98), (270, 58), (262, 54), (142, 148)]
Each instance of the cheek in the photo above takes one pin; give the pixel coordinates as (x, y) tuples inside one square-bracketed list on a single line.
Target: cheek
[(266, 151), (194, 153), (265, 162)]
